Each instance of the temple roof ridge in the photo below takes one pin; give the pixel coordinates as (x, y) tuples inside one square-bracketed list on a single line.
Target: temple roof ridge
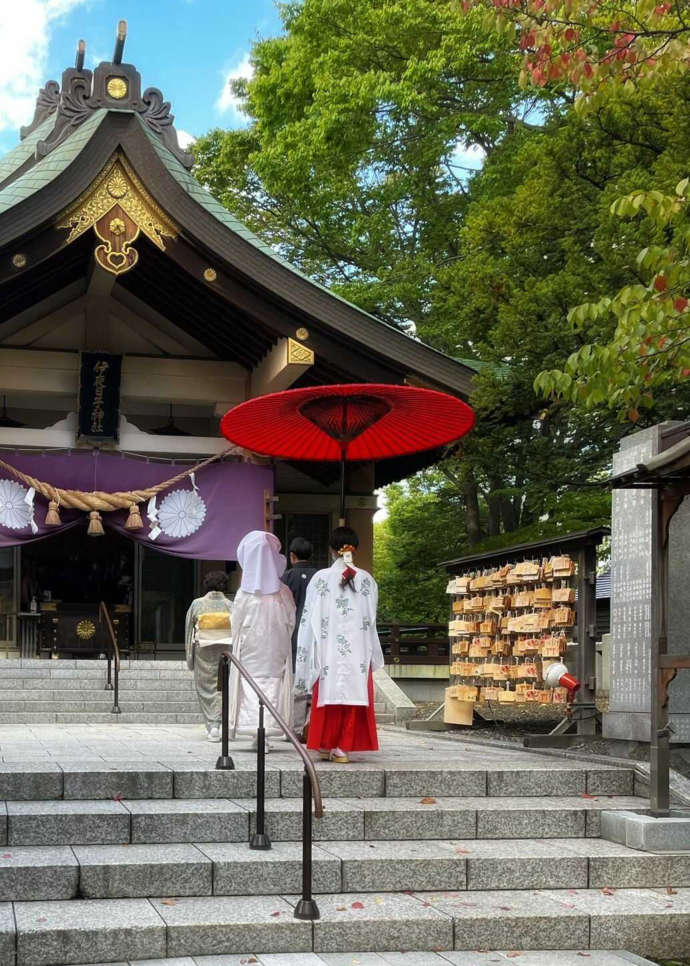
[(111, 86)]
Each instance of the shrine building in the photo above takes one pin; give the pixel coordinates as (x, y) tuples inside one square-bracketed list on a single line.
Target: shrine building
[(135, 310)]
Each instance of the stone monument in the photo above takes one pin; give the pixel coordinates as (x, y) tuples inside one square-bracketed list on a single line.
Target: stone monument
[(632, 604)]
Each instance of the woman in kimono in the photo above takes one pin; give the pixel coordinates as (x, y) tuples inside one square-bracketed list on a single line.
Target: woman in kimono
[(337, 650), (202, 658), (263, 619)]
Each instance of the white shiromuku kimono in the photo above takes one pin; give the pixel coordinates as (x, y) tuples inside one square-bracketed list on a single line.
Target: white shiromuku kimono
[(263, 619), (337, 643)]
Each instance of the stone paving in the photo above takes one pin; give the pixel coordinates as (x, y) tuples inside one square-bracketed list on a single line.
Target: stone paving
[(123, 843)]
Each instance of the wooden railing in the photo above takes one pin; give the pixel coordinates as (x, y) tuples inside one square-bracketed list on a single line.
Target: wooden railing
[(414, 643)]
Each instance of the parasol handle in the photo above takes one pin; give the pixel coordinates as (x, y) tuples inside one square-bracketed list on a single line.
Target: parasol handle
[(343, 458)]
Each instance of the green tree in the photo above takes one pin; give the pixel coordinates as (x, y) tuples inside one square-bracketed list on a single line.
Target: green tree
[(352, 167), (610, 52), (423, 527)]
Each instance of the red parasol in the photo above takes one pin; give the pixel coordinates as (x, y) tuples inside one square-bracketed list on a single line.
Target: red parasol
[(350, 422)]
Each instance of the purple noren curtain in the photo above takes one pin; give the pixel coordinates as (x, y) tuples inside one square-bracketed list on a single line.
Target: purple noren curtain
[(206, 523)]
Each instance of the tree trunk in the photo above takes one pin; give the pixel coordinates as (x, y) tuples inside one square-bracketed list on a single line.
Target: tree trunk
[(508, 515), (470, 495), (494, 525)]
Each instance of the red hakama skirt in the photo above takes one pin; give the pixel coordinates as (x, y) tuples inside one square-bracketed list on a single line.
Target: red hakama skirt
[(345, 726)]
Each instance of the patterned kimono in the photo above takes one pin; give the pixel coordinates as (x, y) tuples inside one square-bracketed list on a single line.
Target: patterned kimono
[(337, 649), (204, 660)]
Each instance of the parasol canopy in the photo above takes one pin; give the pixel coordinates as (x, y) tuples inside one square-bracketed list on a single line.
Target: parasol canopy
[(366, 421)]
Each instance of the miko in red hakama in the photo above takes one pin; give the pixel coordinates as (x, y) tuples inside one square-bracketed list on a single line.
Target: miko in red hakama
[(345, 726)]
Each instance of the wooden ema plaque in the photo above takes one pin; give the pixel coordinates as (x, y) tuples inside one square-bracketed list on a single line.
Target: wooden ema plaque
[(506, 627)]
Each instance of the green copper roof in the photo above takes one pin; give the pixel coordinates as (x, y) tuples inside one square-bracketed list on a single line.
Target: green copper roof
[(48, 168), (24, 150)]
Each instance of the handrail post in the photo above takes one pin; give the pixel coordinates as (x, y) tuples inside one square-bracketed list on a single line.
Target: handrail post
[(306, 908), (115, 651), (260, 841), (116, 690), (224, 761)]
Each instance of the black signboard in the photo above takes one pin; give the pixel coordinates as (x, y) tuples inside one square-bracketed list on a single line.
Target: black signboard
[(99, 395)]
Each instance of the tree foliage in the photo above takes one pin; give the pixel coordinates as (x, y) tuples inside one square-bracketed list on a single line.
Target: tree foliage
[(614, 53), (361, 120)]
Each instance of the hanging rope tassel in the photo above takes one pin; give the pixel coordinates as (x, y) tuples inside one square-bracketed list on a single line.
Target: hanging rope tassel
[(134, 521), (53, 515), (95, 524)]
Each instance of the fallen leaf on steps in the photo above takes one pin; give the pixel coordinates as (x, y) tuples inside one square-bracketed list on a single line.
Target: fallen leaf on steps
[(357, 905), (277, 913), (427, 801), (513, 955), (587, 795), (608, 891), (118, 797), (584, 955), (168, 902), (340, 908), (463, 851), (671, 892)]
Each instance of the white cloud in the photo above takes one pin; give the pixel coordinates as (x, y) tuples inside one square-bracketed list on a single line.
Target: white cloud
[(468, 156), (185, 139), (25, 30), (227, 102)]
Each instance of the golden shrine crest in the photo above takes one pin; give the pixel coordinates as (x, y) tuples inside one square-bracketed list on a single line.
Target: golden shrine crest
[(118, 207)]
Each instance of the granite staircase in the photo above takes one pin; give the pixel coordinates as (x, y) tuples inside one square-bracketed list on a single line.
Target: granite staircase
[(430, 846), (34, 691)]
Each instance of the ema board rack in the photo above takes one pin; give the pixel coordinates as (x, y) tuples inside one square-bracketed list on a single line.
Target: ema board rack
[(507, 625)]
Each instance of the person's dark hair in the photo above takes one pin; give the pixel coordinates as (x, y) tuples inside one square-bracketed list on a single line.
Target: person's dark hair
[(215, 580), (341, 537), (301, 548)]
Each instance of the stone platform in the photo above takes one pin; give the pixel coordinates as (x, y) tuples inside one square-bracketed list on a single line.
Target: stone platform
[(121, 843)]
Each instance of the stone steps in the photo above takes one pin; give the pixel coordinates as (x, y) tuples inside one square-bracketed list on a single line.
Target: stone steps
[(112, 930), (145, 821), (34, 873), (73, 692), (192, 777), (432, 845)]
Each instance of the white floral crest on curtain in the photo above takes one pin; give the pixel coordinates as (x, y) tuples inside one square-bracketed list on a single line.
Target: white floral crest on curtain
[(16, 512), (181, 513)]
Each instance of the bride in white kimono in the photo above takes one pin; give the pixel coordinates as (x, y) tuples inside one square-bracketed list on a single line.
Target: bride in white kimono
[(263, 619)]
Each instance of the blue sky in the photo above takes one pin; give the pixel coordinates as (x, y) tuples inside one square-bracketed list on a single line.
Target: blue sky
[(187, 48)]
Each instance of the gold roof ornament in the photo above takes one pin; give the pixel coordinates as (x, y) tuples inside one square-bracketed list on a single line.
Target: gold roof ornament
[(299, 354), (118, 207)]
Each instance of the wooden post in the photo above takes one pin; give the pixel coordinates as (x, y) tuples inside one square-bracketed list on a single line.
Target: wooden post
[(659, 733), (269, 515), (586, 636)]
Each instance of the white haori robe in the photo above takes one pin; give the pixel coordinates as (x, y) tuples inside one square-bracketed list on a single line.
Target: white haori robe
[(262, 626), (337, 643)]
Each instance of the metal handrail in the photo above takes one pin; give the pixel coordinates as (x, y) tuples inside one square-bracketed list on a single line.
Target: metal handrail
[(306, 908), (287, 731), (112, 682)]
